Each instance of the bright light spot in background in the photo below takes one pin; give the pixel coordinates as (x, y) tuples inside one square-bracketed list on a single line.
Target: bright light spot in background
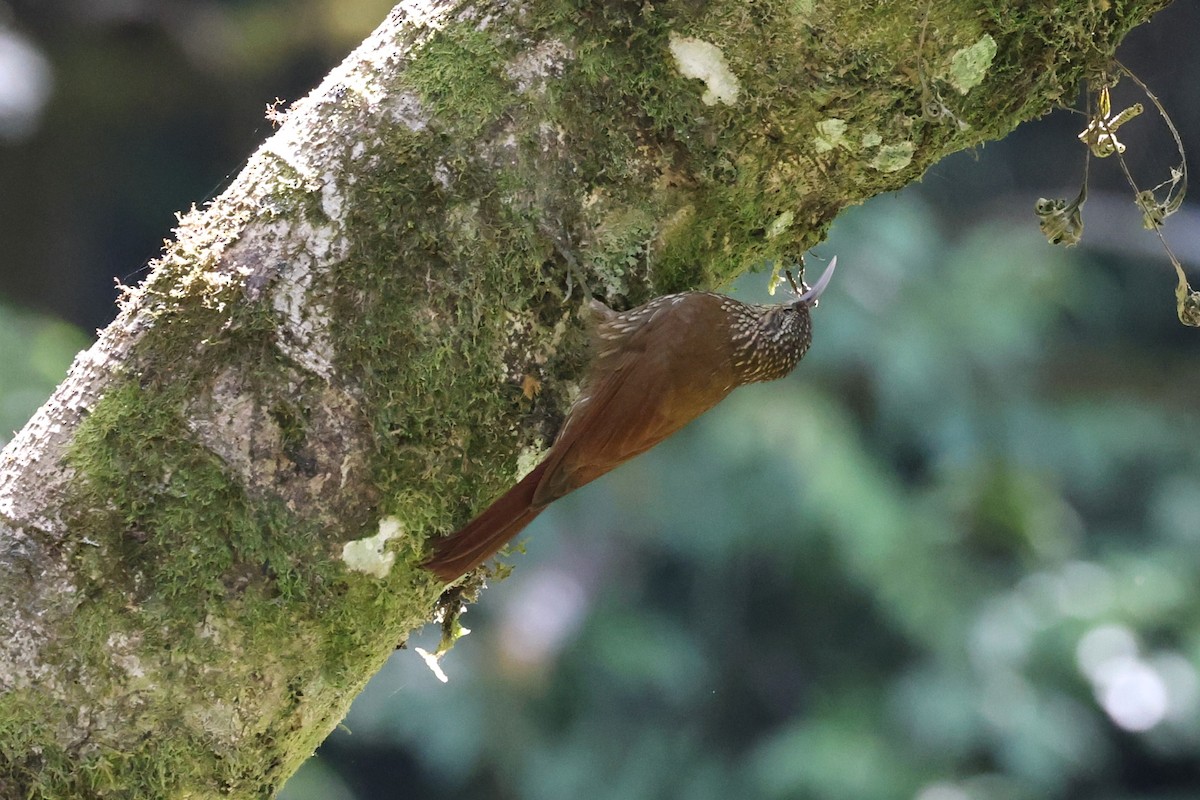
[(942, 791), (1137, 693), (25, 84), (1132, 693), (540, 616)]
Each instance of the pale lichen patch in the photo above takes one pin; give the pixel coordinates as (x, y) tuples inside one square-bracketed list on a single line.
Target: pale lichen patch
[(333, 200), (424, 13), (27, 632), (893, 157), (780, 224), (530, 69), (405, 108), (831, 133), (123, 649), (296, 438), (368, 555), (697, 58), (969, 65), (219, 718), (527, 459), (303, 334), (366, 84)]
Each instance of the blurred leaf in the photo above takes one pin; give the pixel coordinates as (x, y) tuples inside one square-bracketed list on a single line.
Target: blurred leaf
[(832, 758), (37, 351)]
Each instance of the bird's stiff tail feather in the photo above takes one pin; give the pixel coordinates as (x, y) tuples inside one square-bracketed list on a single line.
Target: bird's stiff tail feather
[(483, 536)]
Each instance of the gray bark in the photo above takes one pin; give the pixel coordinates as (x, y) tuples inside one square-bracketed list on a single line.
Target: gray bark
[(210, 534)]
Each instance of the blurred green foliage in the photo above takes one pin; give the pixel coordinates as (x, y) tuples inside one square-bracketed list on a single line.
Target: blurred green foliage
[(37, 351)]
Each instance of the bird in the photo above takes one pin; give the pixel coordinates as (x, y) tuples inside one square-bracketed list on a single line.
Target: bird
[(654, 369)]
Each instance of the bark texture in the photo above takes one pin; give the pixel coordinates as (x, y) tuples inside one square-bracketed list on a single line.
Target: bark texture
[(208, 535)]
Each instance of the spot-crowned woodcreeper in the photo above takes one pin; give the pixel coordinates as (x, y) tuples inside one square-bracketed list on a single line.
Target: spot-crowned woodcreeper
[(655, 368)]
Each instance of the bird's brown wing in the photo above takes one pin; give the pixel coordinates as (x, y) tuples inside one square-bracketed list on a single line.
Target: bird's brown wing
[(638, 398)]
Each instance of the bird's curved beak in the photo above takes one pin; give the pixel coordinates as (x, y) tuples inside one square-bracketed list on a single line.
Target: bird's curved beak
[(810, 297)]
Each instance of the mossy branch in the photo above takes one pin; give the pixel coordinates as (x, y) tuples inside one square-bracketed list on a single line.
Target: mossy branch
[(209, 536)]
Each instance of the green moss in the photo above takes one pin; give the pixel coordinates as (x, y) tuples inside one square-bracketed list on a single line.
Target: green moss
[(458, 75), (291, 420), (428, 347), (156, 487), (151, 766), (253, 597)]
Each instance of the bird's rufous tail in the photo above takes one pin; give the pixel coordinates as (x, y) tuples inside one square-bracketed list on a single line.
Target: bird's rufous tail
[(483, 536)]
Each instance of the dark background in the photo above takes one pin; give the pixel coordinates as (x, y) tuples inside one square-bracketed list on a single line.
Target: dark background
[(954, 557)]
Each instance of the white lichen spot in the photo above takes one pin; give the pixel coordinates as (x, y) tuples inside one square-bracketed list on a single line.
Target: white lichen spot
[(122, 647), (332, 202), (326, 243), (551, 136), (893, 157), (528, 459), (307, 342), (219, 718), (405, 108), (697, 58), (366, 84), (871, 139), (441, 174), (831, 133), (304, 335), (780, 224), (530, 69), (423, 13), (969, 65), (368, 554), (220, 422)]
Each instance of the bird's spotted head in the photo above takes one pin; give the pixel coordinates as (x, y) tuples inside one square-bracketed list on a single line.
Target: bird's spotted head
[(770, 340)]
